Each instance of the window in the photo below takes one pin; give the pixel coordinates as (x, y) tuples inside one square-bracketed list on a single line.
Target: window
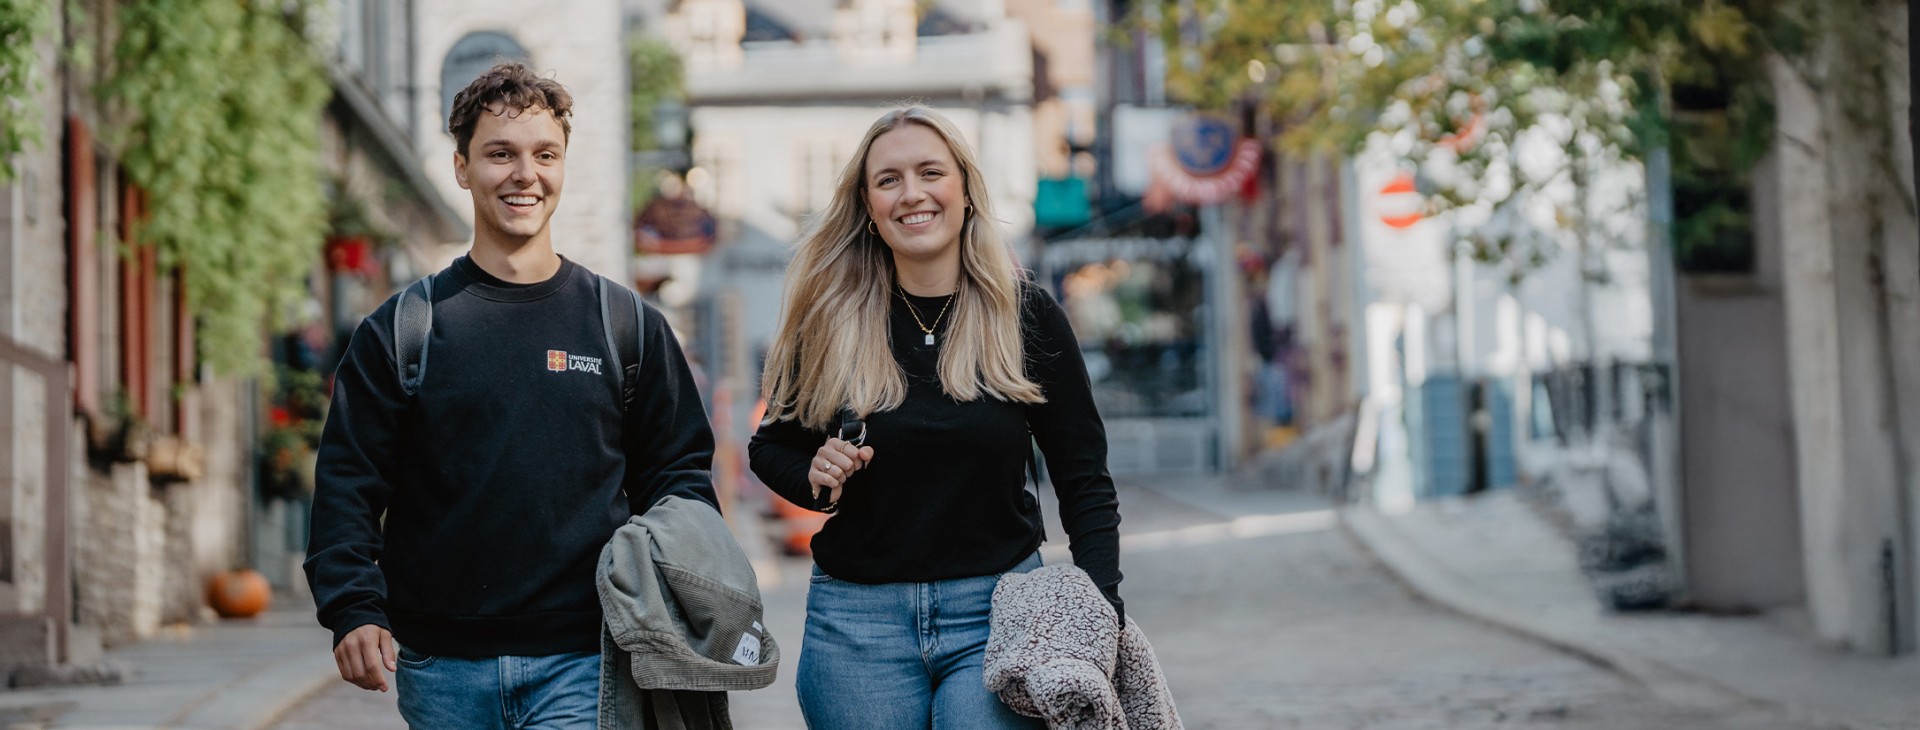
[(876, 30), (818, 162), (715, 180), (708, 32)]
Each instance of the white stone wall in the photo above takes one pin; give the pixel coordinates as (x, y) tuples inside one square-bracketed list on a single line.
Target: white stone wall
[(33, 314), (222, 497), (1852, 256), (579, 44), (120, 554)]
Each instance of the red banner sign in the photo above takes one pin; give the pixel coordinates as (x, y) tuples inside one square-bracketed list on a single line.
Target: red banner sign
[(1206, 189)]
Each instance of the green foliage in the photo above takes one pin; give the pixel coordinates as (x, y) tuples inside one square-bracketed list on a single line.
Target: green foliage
[(22, 23), (217, 106), (656, 74), (80, 38)]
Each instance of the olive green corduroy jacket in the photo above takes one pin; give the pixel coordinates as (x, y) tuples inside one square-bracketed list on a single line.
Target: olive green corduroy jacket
[(681, 621)]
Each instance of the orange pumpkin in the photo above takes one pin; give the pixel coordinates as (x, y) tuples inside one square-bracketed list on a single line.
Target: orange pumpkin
[(241, 593)]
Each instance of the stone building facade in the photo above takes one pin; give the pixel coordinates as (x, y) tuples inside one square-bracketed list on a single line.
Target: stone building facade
[(104, 537)]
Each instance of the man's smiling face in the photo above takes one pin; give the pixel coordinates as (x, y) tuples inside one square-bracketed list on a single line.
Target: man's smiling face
[(514, 168)]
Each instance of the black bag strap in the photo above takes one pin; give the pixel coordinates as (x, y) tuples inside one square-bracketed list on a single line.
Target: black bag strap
[(1033, 462), (625, 336), (412, 328)]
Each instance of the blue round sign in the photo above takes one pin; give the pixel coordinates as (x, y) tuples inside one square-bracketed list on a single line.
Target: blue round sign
[(1203, 145)]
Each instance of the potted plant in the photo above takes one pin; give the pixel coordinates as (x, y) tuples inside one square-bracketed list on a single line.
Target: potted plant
[(354, 235), (118, 434), (171, 458), (293, 432)]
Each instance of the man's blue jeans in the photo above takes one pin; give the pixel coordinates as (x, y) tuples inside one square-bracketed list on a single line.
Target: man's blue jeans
[(901, 656), (555, 692)]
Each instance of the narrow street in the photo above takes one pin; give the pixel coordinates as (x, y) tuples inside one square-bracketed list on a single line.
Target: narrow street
[(1274, 620)]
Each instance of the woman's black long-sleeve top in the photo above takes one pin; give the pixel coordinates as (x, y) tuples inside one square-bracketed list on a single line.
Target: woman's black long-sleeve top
[(944, 496)]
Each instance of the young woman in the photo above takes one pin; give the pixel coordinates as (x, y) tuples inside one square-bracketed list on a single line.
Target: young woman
[(905, 319)]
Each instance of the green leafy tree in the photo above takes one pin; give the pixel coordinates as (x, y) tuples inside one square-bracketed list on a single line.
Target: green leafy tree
[(22, 23), (657, 75), (217, 109), (1456, 84)]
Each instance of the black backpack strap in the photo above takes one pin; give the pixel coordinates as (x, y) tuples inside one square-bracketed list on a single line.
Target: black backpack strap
[(624, 328), (412, 328)]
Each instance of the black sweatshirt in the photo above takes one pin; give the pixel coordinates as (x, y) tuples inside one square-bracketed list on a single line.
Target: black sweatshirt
[(944, 496), (501, 479)]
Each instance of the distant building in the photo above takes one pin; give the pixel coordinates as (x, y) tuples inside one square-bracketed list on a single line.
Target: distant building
[(780, 94)]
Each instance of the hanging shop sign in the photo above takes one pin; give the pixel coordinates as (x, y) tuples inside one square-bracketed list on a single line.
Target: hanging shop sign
[(1205, 162), (673, 225), (352, 254), (1061, 202)]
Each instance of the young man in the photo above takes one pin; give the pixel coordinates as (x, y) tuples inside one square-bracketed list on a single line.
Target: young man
[(464, 520)]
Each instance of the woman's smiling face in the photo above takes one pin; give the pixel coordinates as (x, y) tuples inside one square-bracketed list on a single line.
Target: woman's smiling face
[(916, 193)]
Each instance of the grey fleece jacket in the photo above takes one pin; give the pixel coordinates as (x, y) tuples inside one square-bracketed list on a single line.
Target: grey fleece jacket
[(1055, 651)]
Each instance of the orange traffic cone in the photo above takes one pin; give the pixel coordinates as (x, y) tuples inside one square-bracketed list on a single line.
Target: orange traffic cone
[(800, 523)]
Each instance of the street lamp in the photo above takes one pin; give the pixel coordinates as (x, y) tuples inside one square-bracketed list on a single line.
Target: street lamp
[(670, 131)]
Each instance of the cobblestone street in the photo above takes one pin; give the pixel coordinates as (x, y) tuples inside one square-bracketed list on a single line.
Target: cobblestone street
[(1265, 614)]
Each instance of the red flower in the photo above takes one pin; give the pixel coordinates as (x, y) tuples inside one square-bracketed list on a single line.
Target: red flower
[(279, 417)]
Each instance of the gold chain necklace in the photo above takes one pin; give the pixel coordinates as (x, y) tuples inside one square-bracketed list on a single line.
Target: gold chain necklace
[(915, 311)]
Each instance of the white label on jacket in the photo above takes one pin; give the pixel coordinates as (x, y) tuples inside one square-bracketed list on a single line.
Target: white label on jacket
[(748, 651)]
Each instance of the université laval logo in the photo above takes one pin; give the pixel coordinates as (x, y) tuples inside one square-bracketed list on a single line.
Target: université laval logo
[(559, 361)]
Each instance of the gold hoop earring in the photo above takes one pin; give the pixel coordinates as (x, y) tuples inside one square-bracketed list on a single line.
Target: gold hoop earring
[(871, 231)]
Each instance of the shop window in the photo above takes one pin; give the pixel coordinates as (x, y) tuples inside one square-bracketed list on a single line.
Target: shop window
[(1137, 306)]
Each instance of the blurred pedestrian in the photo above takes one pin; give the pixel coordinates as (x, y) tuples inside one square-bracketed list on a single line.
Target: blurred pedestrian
[(462, 516), (912, 371)]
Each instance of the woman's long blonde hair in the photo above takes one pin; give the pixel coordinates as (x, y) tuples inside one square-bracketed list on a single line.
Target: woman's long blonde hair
[(831, 350)]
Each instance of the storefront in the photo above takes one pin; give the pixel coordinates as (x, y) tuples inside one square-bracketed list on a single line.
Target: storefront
[(1140, 307)]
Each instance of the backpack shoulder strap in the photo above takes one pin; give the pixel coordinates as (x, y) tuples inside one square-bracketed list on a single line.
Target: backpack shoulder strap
[(412, 328), (625, 323)]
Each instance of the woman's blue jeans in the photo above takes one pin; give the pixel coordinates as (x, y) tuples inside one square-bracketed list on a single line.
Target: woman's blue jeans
[(900, 656), (555, 692)]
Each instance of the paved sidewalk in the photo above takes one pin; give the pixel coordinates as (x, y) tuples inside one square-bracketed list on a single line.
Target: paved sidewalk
[(230, 675), (227, 675), (1494, 558)]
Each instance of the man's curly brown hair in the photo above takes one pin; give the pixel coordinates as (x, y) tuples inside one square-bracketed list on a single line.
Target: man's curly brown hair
[(508, 88)]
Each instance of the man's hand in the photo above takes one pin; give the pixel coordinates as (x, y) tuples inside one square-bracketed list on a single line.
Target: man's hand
[(362, 654)]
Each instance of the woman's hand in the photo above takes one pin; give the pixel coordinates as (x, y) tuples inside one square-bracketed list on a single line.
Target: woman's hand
[(833, 464)]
